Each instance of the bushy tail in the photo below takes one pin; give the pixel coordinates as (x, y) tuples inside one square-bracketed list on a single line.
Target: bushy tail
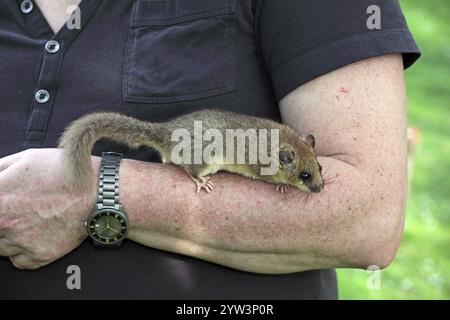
[(80, 137)]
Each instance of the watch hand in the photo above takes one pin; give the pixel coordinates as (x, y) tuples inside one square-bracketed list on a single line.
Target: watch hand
[(113, 230), (103, 230), (107, 222)]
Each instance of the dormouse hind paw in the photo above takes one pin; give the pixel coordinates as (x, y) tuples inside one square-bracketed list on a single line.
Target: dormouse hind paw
[(282, 188)]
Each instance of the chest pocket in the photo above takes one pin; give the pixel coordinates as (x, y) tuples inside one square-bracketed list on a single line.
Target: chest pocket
[(180, 50)]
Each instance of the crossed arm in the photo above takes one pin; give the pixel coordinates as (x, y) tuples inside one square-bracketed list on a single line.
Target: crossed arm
[(358, 116)]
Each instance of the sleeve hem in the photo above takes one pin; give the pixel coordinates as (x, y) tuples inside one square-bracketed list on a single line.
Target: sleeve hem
[(338, 54)]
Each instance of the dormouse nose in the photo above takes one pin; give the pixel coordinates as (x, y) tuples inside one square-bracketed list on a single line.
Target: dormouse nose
[(316, 188)]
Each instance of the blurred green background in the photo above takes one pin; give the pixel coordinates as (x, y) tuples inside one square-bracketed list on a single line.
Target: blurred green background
[(421, 269)]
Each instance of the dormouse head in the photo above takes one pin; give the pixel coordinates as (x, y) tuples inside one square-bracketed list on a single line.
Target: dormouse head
[(298, 165)]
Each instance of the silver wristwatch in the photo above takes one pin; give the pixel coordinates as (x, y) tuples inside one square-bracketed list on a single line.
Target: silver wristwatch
[(107, 225)]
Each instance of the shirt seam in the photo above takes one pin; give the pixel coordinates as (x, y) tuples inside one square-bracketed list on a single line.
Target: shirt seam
[(312, 54)]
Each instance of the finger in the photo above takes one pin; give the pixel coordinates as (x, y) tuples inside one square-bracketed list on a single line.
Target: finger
[(3, 229), (8, 250), (22, 262), (9, 160)]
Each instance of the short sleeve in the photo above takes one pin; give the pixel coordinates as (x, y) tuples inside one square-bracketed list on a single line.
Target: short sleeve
[(303, 39)]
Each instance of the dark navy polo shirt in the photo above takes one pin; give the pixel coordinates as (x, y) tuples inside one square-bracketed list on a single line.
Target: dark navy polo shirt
[(155, 60)]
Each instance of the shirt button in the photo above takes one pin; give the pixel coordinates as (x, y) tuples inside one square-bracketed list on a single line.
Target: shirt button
[(42, 96), (52, 46), (26, 6)]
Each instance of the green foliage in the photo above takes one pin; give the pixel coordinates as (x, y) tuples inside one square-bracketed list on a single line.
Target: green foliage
[(422, 266)]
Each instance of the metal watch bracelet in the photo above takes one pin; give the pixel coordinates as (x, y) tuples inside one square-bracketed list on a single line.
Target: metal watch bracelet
[(108, 186)]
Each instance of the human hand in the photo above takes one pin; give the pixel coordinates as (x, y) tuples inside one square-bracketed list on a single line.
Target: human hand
[(41, 216)]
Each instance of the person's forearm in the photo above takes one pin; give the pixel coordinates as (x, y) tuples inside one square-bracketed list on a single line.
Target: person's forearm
[(245, 224)]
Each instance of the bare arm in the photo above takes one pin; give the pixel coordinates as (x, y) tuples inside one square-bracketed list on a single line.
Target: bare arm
[(357, 114)]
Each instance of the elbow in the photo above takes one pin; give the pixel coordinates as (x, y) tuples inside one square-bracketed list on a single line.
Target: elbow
[(375, 253), (381, 256), (380, 234), (385, 238)]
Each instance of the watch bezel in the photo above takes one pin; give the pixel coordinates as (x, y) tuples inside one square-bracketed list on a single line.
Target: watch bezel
[(99, 212)]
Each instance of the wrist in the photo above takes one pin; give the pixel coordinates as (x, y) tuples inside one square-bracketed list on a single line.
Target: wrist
[(92, 189), (127, 198), (136, 190), (89, 196), (107, 223)]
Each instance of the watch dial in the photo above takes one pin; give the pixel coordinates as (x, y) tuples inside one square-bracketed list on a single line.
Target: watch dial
[(108, 227)]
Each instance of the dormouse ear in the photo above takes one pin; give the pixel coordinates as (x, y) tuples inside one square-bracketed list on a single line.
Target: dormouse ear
[(286, 156), (309, 139)]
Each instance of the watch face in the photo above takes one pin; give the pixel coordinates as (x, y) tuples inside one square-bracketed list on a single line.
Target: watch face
[(108, 226)]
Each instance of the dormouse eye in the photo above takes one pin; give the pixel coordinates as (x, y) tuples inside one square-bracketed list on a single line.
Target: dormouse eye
[(320, 167), (305, 176)]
